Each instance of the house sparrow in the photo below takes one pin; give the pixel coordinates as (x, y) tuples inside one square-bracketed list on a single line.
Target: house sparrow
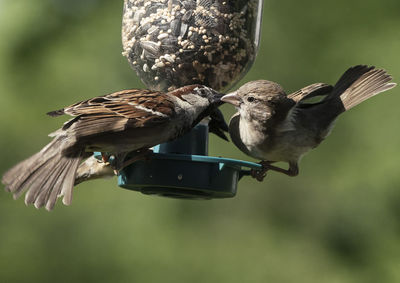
[(273, 126), (117, 123)]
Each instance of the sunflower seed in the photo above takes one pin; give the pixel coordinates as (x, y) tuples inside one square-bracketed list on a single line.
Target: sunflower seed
[(211, 42)]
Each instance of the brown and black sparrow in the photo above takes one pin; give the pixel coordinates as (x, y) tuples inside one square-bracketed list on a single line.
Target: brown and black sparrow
[(117, 123), (272, 126)]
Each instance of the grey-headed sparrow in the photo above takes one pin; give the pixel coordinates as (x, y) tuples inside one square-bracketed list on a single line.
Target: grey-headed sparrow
[(272, 126), (117, 123)]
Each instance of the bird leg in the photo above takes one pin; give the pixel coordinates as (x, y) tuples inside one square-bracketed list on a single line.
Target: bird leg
[(292, 171), (141, 154), (259, 175)]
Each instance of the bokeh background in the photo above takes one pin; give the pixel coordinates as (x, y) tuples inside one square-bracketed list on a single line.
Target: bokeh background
[(338, 221)]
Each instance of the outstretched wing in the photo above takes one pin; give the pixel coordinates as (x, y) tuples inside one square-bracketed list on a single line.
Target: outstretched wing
[(311, 91)]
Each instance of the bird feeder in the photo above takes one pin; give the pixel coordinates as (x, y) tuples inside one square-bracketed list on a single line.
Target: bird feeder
[(175, 43), (182, 169)]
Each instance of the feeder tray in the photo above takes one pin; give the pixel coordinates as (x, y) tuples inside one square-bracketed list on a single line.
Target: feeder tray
[(182, 169), (185, 176)]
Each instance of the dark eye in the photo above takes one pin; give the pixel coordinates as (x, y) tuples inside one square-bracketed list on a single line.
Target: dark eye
[(250, 99)]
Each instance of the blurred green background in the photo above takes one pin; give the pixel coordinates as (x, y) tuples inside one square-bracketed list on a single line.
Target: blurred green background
[(338, 221)]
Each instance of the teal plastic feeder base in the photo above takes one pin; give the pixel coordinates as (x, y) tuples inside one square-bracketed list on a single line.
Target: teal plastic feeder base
[(182, 169), (185, 176)]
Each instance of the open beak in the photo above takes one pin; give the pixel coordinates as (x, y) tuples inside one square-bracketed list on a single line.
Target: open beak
[(232, 98)]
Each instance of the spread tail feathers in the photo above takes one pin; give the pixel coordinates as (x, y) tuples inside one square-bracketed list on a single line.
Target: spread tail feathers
[(45, 176), (360, 83)]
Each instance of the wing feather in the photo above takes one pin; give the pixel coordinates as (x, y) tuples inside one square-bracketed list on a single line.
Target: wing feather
[(311, 91), (134, 108)]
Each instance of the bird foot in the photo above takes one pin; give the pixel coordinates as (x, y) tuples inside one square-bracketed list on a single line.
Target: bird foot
[(259, 174)]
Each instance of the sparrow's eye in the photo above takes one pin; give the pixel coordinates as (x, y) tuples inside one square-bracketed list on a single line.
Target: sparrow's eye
[(250, 99)]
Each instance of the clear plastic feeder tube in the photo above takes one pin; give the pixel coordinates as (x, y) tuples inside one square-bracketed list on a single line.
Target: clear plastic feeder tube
[(172, 43)]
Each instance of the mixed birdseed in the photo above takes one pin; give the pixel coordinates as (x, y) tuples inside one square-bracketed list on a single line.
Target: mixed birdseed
[(172, 43)]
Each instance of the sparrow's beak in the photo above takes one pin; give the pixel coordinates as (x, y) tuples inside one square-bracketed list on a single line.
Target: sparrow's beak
[(232, 98)]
